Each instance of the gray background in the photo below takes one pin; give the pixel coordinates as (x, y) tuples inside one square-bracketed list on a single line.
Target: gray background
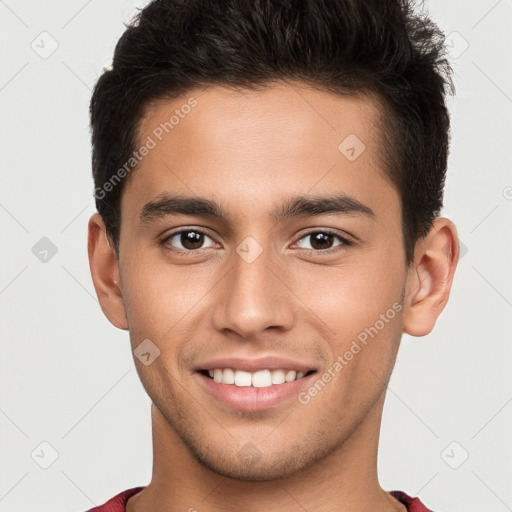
[(67, 377)]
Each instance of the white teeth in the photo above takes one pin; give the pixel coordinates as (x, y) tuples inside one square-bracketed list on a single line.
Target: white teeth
[(290, 375), (262, 379), (259, 379), (277, 376), (242, 378), (228, 376)]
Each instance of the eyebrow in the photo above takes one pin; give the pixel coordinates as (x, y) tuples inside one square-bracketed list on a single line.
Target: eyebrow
[(168, 205)]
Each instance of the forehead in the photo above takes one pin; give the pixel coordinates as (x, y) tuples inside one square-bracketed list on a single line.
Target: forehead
[(274, 112), (253, 144)]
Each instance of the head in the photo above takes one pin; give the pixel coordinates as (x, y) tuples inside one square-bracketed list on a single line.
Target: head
[(273, 131)]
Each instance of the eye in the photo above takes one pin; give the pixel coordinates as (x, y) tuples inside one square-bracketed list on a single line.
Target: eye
[(187, 240), (322, 241)]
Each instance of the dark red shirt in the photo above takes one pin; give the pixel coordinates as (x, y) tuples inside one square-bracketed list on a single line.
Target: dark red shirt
[(118, 502)]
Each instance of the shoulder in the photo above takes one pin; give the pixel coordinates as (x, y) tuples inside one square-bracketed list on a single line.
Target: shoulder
[(413, 504), (118, 502)]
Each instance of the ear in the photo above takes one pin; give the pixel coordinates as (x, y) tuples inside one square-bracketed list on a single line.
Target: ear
[(430, 277), (105, 273)]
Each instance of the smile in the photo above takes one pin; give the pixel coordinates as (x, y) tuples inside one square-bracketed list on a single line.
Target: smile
[(259, 379), (254, 391)]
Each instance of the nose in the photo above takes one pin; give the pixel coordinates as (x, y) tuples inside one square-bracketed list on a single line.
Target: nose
[(253, 298)]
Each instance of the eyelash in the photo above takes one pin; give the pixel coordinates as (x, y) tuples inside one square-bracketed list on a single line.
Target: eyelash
[(344, 241)]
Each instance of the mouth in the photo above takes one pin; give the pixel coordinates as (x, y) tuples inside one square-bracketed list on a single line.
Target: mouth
[(260, 379), (261, 390)]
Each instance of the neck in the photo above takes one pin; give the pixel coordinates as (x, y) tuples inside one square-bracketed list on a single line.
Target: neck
[(343, 480)]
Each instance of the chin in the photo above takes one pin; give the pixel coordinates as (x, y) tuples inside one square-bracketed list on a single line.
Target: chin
[(250, 464), (259, 471)]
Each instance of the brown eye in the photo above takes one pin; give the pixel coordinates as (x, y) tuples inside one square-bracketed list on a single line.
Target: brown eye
[(191, 239), (322, 241), (187, 240)]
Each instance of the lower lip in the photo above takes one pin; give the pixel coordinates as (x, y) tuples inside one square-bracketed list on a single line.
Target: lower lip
[(253, 399)]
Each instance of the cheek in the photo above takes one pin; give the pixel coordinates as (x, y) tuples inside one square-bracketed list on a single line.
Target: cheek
[(361, 306), (158, 298), (354, 294)]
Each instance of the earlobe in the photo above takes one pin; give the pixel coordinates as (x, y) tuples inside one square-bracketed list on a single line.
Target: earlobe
[(105, 273), (430, 277)]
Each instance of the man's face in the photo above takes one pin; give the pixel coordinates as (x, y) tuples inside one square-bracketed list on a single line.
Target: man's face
[(262, 285)]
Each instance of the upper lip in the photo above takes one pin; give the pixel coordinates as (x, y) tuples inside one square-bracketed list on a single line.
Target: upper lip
[(256, 364)]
